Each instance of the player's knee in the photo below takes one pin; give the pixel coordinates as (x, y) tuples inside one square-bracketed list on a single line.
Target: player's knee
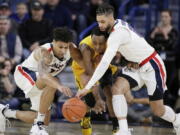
[(121, 86), (116, 90), (158, 111), (157, 107)]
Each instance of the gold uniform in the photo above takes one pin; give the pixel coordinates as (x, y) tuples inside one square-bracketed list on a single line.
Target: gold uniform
[(78, 70)]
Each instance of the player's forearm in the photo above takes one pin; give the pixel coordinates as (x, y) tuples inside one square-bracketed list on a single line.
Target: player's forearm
[(100, 70), (76, 55), (87, 59), (96, 93), (89, 68), (50, 81), (141, 100)]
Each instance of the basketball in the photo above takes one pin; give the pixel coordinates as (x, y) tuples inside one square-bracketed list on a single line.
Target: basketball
[(74, 109)]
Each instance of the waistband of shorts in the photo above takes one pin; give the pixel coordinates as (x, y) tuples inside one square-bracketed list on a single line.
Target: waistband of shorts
[(148, 59)]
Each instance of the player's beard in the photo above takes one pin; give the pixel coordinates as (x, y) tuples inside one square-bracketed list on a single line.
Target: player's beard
[(108, 29)]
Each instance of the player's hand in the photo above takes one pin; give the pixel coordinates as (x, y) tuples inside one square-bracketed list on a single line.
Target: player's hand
[(99, 107), (82, 93), (65, 90), (133, 65), (34, 46)]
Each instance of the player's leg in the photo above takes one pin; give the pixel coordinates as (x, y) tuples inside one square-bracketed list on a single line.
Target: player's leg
[(25, 79), (106, 83), (167, 113), (155, 81), (119, 88), (126, 80), (86, 127), (28, 82), (46, 100), (41, 103), (86, 121), (29, 116), (25, 116), (108, 95), (90, 100)]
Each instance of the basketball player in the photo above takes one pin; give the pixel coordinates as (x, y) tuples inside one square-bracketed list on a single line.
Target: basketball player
[(36, 77), (92, 48), (151, 72)]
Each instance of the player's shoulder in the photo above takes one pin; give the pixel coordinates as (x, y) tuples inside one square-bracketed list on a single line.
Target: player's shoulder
[(120, 27), (87, 40), (86, 43), (120, 23), (47, 46)]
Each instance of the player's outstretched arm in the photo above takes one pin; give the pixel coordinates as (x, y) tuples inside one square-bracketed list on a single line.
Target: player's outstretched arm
[(100, 70), (44, 58), (87, 59), (115, 40), (76, 54)]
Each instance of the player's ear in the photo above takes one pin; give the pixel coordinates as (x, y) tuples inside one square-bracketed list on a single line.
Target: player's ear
[(54, 41), (111, 17)]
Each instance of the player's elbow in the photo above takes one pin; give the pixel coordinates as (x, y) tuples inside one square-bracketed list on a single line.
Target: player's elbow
[(105, 64), (43, 76)]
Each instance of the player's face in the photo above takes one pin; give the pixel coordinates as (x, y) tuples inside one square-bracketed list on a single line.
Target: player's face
[(60, 48), (104, 22), (99, 44)]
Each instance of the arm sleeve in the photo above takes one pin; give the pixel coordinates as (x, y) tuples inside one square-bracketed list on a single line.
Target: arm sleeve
[(116, 39)]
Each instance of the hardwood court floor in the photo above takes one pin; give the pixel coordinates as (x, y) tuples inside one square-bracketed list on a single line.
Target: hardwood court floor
[(19, 128)]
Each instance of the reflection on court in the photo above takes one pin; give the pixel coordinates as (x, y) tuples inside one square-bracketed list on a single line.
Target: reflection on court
[(19, 128)]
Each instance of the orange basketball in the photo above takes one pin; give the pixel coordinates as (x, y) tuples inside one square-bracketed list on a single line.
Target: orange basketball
[(74, 109)]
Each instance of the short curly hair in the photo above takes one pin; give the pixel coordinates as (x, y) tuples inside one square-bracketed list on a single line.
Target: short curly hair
[(96, 31), (62, 34)]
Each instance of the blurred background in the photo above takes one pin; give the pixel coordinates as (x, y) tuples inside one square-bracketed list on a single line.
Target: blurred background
[(30, 25)]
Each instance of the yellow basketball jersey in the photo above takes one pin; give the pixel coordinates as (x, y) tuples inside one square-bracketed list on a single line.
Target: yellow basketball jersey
[(77, 69)]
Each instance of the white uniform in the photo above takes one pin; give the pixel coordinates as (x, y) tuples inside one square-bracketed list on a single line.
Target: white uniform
[(134, 48), (26, 74)]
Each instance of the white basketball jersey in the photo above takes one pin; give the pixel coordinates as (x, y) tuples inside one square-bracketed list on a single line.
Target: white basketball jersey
[(136, 49), (56, 66)]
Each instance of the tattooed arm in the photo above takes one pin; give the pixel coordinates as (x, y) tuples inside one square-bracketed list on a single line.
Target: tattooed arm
[(44, 58), (87, 59), (76, 54)]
